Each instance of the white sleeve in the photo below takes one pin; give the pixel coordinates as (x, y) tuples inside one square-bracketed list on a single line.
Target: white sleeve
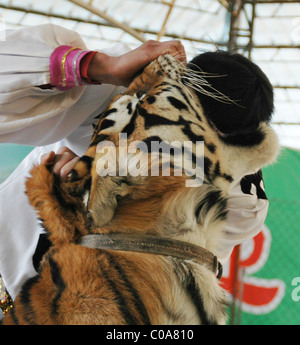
[(19, 226), (24, 64), (247, 210)]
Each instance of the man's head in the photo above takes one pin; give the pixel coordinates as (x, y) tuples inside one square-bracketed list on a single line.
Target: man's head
[(239, 79)]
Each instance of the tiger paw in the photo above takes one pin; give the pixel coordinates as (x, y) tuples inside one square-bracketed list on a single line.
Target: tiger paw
[(39, 185)]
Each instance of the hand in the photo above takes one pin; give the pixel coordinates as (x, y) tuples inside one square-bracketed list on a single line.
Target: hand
[(62, 163), (122, 69)]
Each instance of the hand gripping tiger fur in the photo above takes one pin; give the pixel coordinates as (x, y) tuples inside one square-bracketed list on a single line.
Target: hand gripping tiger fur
[(81, 285)]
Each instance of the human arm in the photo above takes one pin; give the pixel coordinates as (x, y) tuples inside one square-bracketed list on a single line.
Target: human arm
[(71, 66), (122, 69), (31, 115), (33, 110)]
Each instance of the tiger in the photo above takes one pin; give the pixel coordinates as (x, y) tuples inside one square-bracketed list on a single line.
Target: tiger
[(181, 214)]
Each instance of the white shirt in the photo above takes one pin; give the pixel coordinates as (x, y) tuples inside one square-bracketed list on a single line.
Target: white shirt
[(47, 119), (50, 119)]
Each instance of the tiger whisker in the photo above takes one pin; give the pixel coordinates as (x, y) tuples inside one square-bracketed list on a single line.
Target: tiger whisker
[(198, 83), (197, 80), (186, 88), (217, 95)]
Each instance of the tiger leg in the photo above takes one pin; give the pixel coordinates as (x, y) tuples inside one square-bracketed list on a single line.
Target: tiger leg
[(75, 285), (61, 212)]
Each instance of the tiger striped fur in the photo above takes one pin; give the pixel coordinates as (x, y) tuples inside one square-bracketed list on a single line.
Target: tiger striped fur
[(79, 285)]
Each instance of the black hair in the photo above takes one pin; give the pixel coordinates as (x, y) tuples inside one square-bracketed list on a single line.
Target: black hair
[(241, 81)]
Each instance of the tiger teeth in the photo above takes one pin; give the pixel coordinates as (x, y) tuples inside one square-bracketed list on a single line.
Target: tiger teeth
[(86, 198)]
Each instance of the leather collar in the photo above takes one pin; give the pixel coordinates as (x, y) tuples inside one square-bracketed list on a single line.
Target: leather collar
[(153, 245)]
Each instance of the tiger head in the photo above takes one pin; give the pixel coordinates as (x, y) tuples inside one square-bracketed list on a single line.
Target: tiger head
[(166, 152)]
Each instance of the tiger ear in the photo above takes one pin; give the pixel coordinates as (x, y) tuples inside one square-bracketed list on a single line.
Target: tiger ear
[(145, 79)]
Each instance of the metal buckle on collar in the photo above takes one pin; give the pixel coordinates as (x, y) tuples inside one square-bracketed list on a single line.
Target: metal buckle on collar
[(6, 302)]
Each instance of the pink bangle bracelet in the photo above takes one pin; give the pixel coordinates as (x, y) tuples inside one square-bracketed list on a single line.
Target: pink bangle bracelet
[(65, 68)]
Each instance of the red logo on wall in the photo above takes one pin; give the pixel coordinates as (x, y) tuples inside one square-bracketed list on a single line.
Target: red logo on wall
[(257, 295)]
